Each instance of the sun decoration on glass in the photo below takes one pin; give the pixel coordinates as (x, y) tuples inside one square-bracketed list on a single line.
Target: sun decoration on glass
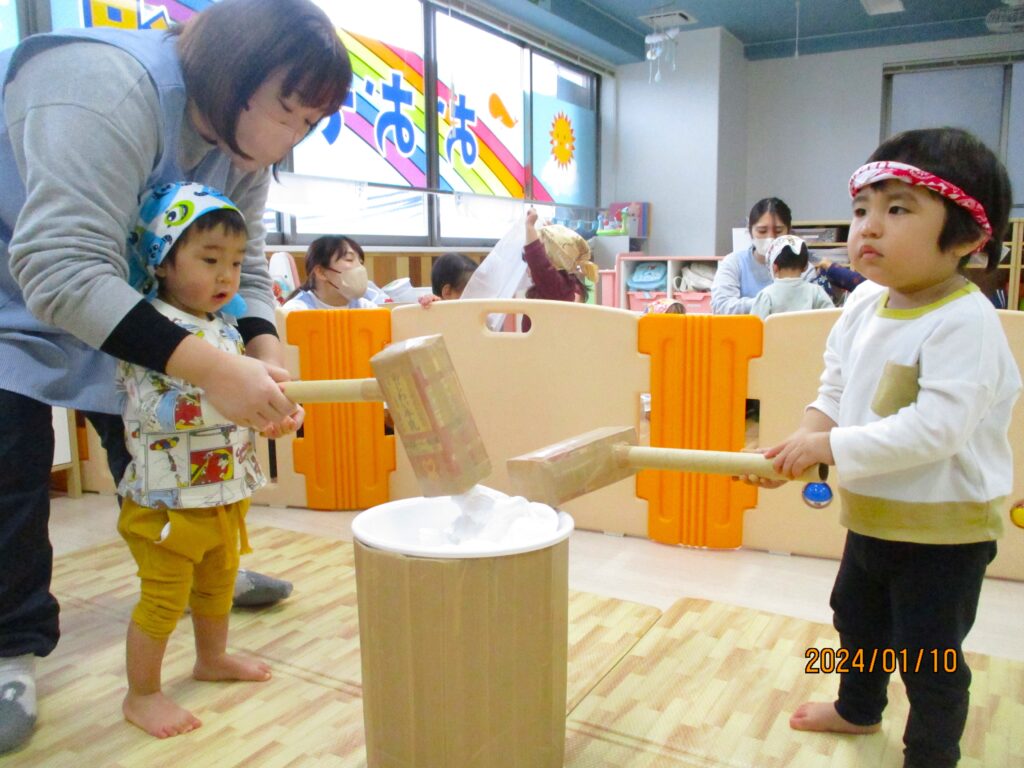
[(563, 140)]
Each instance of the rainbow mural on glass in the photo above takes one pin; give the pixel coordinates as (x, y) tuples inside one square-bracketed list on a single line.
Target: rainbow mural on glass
[(480, 162), (135, 14), (385, 109)]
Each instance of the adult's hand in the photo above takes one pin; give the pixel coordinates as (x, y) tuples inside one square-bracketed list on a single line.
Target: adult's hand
[(243, 389), (268, 349)]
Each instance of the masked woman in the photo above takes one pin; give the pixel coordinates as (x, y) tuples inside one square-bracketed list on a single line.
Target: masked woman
[(743, 273), (335, 277)]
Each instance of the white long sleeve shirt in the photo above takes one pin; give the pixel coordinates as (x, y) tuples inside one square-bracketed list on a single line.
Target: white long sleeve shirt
[(922, 400)]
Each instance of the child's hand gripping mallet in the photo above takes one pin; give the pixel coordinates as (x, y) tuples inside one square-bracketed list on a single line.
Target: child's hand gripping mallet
[(417, 380), (579, 465)]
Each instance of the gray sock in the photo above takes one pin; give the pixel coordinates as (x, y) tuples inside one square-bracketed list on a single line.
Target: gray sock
[(255, 589), (17, 701)]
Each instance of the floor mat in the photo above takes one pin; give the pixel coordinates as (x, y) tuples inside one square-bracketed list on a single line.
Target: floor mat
[(714, 685), (310, 713)]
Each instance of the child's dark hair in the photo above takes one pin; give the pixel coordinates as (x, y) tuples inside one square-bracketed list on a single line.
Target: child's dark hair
[(775, 207), (320, 253), (261, 37), (958, 157), (451, 269), (788, 259), (231, 220)]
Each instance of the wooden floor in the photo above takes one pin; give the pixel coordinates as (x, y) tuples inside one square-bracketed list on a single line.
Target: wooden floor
[(695, 683)]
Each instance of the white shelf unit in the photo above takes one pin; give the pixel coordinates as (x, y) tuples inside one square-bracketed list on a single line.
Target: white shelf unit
[(626, 263)]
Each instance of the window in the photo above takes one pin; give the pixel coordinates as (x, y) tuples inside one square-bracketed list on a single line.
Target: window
[(1015, 135), (564, 133), (506, 124), (124, 14), (379, 136), (9, 31), (481, 137), (922, 100), (989, 104)]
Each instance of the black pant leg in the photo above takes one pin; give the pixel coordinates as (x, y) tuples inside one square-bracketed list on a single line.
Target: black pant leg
[(935, 601), (28, 612), (861, 615), (110, 429)]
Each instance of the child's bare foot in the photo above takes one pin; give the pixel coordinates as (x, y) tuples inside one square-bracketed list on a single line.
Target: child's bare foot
[(822, 716), (158, 715), (228, 667)]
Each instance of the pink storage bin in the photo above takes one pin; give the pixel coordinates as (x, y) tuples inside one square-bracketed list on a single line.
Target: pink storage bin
[(696, 302), (638, 300), (608, 288)]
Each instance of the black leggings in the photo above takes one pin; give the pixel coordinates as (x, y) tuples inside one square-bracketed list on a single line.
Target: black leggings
[(909, 606)]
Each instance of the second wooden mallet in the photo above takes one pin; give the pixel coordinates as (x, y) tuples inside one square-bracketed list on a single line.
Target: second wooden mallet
[(562, 471)]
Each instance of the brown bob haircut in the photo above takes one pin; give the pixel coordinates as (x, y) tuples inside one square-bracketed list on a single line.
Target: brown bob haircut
[(230, 49)]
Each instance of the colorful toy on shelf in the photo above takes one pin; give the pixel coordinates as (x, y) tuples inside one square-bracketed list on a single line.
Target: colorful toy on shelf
[(621, 229), (562, 471), (635, 218)]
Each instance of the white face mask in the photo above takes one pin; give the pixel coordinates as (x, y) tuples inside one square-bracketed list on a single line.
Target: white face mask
[(761, 244)]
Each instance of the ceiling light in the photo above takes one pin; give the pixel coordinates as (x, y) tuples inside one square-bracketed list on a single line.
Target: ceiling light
[(878, 7), (665, 19)]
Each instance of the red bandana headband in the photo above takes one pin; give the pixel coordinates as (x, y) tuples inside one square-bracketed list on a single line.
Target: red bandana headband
[(908, 174)]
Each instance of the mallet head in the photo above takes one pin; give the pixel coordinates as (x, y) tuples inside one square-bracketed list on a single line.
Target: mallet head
[(562, 471), (431, 415)]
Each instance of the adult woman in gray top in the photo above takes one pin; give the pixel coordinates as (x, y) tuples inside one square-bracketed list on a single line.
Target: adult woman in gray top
[(743, 273), (92, 118)]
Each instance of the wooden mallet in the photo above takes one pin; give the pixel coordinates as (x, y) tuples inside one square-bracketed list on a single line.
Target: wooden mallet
[(419, 383), (579, 465)]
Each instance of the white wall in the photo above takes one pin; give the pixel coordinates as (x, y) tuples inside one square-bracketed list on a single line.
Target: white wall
[(719, 132), (732, 203), (666, 144), (814, 119)]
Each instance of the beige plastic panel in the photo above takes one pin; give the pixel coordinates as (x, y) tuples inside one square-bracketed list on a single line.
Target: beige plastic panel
[(785, 380), (288, 489), (575, 370)]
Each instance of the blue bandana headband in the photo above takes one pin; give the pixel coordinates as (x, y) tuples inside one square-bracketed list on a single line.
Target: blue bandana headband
[(165, 212)]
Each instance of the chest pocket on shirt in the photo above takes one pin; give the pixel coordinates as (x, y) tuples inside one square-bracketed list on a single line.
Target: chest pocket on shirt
[(897, 388)]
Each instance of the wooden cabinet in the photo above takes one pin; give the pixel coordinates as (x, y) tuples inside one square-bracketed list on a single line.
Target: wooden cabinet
[(831, 235)]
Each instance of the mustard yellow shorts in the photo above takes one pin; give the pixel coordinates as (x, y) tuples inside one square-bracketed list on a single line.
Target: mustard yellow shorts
[(185, 557)]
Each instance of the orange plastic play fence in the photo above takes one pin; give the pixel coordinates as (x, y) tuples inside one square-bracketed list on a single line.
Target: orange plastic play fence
[(344, 454), (698, 393)]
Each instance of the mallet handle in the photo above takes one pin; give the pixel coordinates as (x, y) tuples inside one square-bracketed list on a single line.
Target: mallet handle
[(334, 391), (710, 462)]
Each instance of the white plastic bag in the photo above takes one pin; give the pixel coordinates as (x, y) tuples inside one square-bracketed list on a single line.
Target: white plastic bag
[(502, 272)]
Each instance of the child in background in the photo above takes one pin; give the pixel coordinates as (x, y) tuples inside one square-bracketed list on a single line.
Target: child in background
[(187, 488), (335, 277), (449, 275), (842, 278), (665, 307), (558, 259), (789, 292), (913, 409)]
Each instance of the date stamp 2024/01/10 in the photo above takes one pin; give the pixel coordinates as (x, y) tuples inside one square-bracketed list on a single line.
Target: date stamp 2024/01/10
[(826, 661)]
